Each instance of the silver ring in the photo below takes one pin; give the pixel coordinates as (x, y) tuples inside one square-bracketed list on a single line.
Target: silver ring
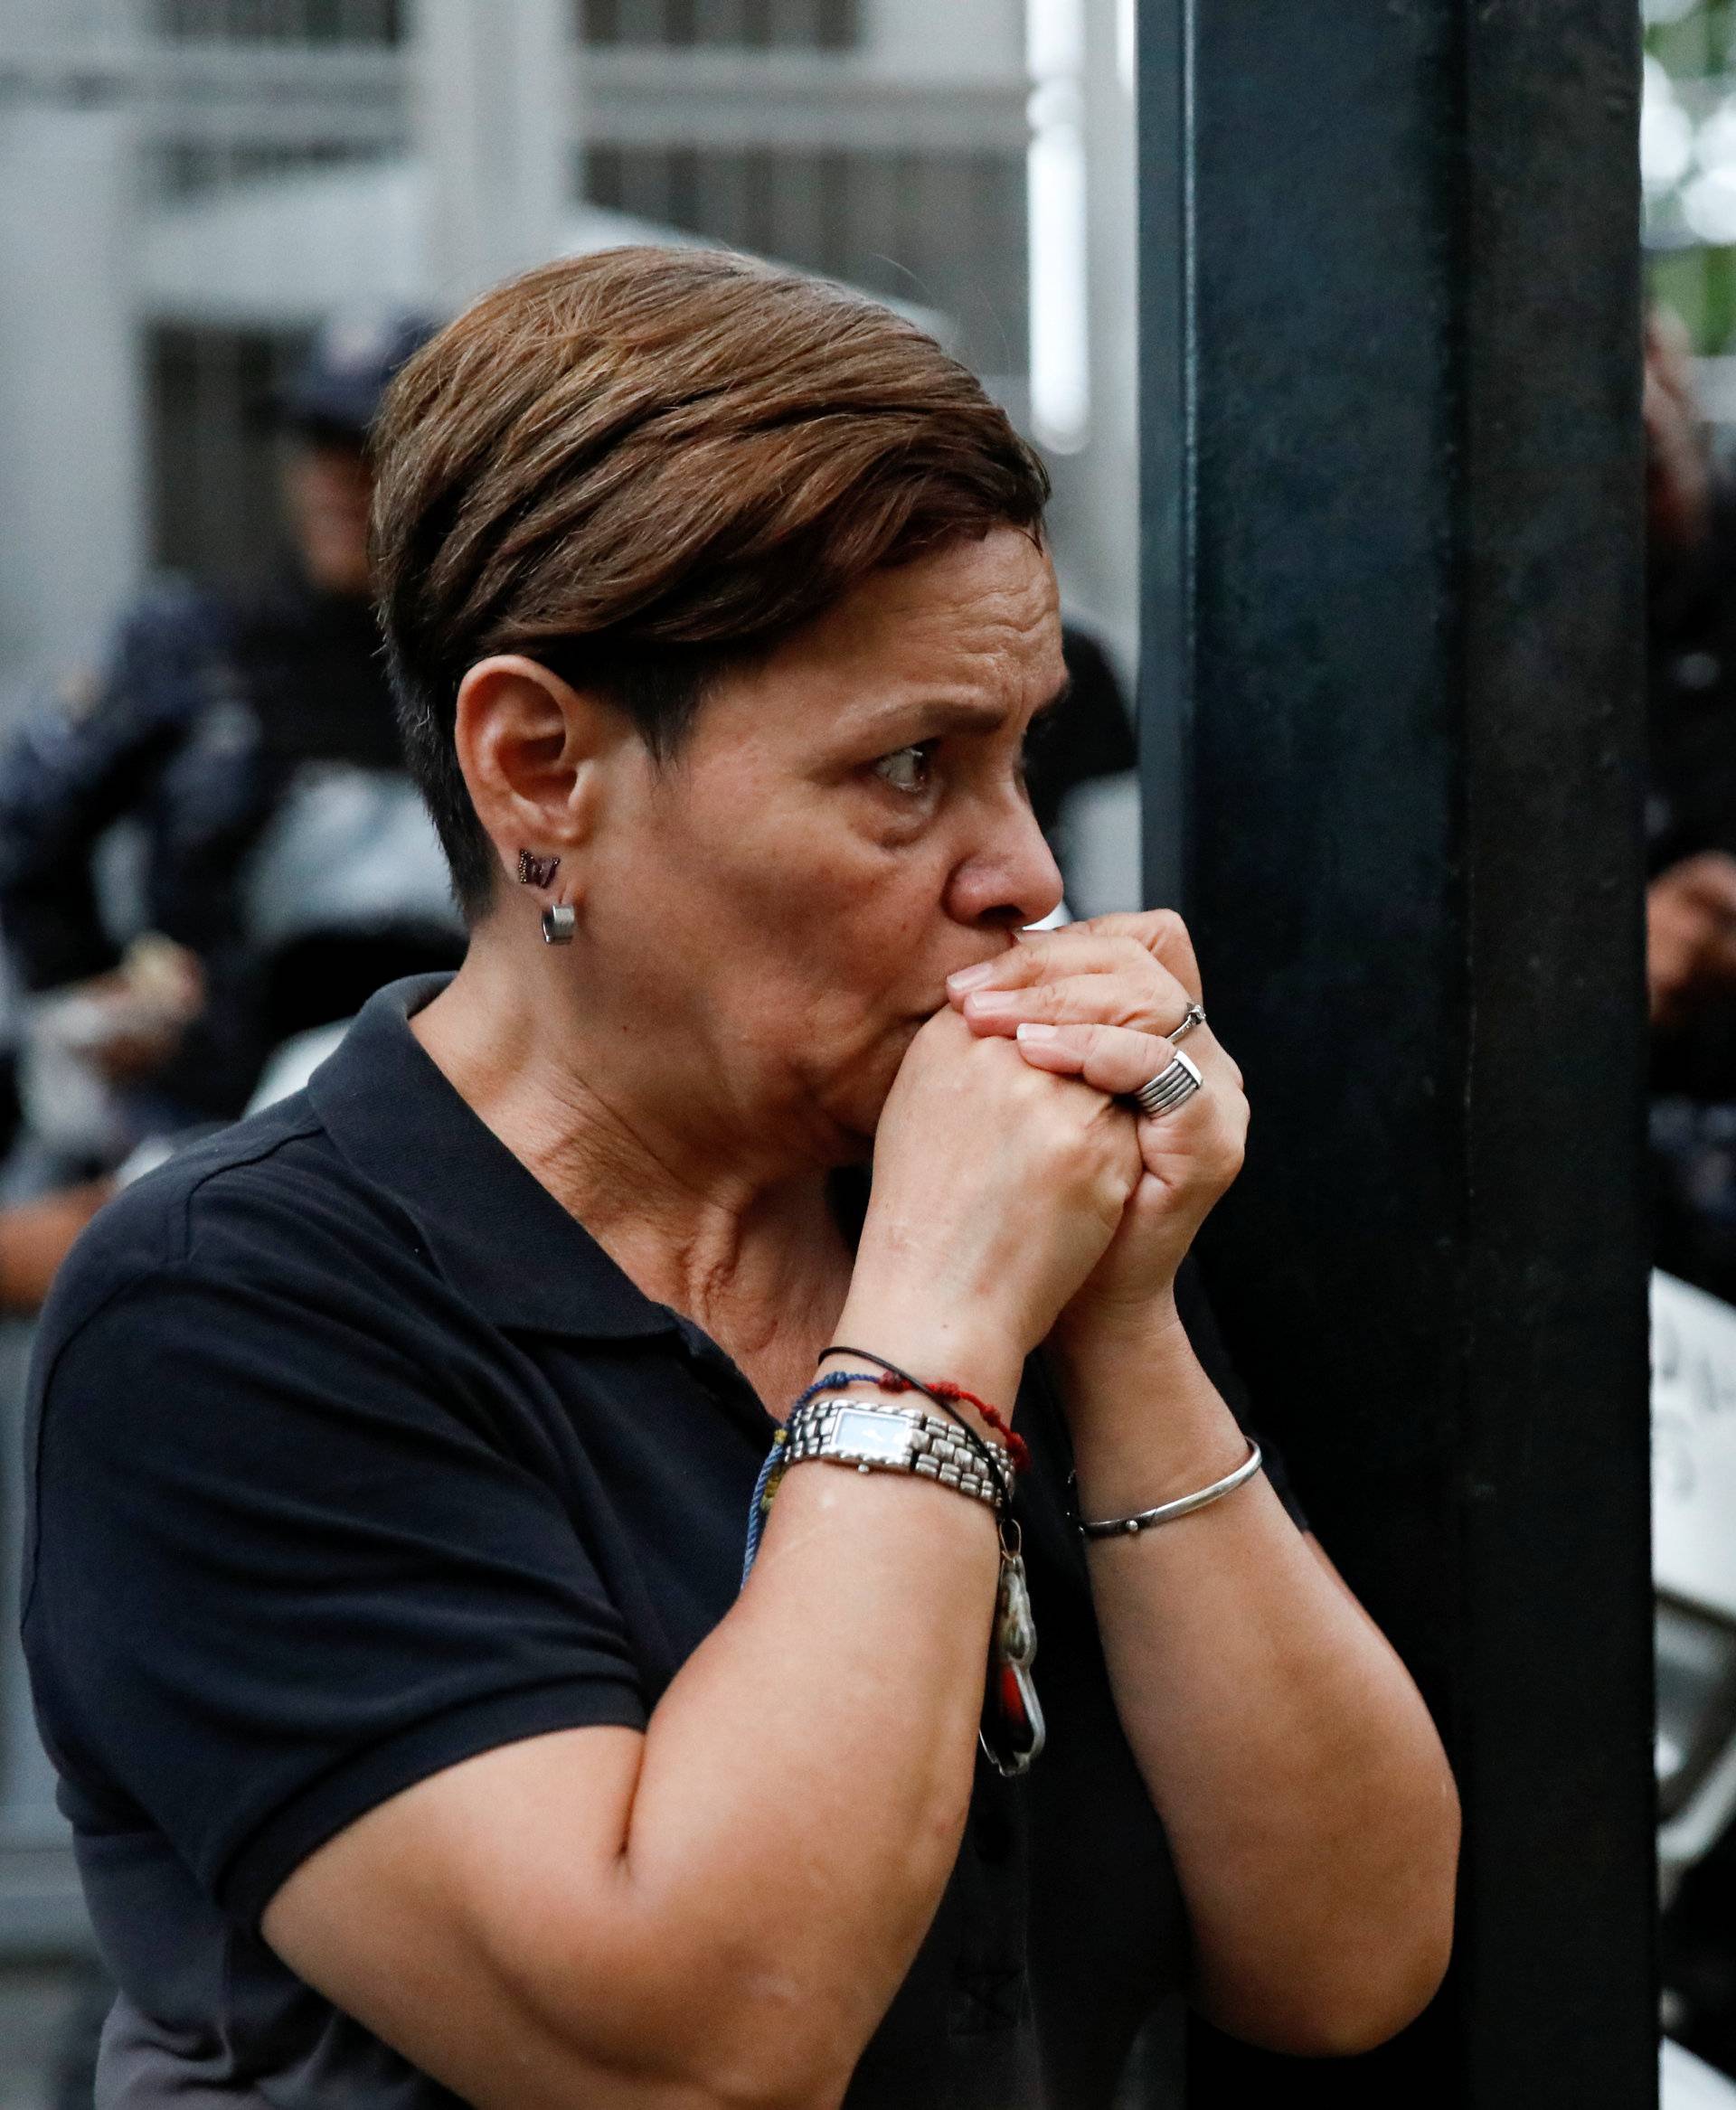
[(1195, 1015), (1171, 1087)]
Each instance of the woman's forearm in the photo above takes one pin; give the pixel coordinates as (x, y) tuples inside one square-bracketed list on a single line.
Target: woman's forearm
[(807, 1777), (719, 1911), (1307, 1801)]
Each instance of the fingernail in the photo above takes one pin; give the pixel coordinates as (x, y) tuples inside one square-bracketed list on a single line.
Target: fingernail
[(1029, 1032), (992, 1003), (972, 978)]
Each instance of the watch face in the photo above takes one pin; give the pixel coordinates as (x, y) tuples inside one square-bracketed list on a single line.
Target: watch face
[(865, 1434)]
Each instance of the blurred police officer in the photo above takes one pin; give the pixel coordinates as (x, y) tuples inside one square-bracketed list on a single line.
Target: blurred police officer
[(286, 866)]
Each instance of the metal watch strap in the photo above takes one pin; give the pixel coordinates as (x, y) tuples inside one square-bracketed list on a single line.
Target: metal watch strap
[(891, 1439)]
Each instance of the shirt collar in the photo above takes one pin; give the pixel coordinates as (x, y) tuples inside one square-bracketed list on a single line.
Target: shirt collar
[(493, 1230)]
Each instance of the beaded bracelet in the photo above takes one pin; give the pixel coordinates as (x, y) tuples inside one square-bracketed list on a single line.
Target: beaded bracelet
[(888, 1378), (946, 1396)]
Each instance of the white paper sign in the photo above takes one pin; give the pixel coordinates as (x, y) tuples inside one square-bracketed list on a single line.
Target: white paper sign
[(1693, 1445)]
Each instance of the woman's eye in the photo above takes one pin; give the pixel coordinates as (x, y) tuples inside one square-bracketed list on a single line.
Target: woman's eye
[(908, 768)]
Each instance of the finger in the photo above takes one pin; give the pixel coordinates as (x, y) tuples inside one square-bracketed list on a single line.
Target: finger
[(1048, 954), (1712, 887), (1697, 939), (1149, 1001), (1097, 946), (1159, 932), (1202, 1140), (1110, 1059)]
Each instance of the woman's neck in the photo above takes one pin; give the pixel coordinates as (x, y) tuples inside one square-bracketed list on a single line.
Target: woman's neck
[(744, 1244)]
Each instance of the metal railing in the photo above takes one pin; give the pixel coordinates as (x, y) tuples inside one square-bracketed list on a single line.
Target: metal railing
[(205, 92), (664, 24), (762, 25), (282, 22)]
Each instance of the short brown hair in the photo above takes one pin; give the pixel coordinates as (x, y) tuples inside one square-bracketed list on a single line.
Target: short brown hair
[(646, 466)]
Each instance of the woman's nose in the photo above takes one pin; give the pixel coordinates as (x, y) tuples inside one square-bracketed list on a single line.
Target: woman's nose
[(1012, 877)]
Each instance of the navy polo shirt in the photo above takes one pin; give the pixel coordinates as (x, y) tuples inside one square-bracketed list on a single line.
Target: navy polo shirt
[(354, 1456)]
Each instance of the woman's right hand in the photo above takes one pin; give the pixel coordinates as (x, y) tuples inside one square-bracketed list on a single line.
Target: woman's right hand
[(997, 1189)]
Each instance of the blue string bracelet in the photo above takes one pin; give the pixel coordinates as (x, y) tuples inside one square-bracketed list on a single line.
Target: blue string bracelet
[(772, 1471)]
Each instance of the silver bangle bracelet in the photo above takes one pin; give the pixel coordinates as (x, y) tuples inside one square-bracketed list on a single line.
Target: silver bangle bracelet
[(1184, 1505)]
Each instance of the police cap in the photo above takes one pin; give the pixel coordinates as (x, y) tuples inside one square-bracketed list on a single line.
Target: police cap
[(339, 386)]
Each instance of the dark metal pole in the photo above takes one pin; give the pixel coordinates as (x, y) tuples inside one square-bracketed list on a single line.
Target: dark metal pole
[(1393, 753)]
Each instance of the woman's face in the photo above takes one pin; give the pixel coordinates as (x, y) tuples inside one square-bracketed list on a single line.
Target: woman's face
[(845, 826)]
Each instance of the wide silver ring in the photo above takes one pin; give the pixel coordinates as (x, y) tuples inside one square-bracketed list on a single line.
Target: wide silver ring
[(1195, 1015), (1171, 1087)]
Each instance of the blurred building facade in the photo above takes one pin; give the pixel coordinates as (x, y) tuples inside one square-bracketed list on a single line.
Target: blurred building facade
[(187, 187)]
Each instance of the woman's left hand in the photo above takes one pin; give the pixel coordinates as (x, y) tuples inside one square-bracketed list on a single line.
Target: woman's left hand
[(1102, 997)]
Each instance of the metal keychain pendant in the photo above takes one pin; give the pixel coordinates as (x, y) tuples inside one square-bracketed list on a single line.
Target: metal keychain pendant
[(1012, 1731)]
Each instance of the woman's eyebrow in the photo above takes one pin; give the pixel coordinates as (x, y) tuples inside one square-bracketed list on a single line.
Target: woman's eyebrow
[(937, 716)]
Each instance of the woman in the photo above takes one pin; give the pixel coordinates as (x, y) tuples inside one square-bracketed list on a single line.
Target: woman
[(397, 1450)]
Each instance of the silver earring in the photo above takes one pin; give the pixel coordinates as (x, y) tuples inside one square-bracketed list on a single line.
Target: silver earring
[(560, 923)]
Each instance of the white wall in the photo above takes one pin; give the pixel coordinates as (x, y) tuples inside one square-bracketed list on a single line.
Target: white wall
[(70, 454), (1097, 491), (981, 37), (489, 112)]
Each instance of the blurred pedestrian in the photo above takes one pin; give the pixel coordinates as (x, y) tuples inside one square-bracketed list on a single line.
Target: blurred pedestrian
[(285, 868), (1691, 976), (1691, 821), (1691, 818)]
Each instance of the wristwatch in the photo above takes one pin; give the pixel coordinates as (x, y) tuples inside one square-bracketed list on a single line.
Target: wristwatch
[(897, 1439)]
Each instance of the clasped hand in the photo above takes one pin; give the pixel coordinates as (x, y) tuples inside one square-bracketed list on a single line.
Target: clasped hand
[(1009, 1167)]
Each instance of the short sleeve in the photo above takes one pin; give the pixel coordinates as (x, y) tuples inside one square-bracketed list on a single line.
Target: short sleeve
[(1207, 1343), (281, 1572)]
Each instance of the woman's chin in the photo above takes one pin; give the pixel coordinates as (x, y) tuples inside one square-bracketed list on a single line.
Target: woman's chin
[(856, 1110)]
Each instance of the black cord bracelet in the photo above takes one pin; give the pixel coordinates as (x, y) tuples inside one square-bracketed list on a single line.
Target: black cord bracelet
[(999, 1468)]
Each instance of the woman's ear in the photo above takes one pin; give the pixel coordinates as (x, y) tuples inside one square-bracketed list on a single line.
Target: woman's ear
[(536, 753)]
